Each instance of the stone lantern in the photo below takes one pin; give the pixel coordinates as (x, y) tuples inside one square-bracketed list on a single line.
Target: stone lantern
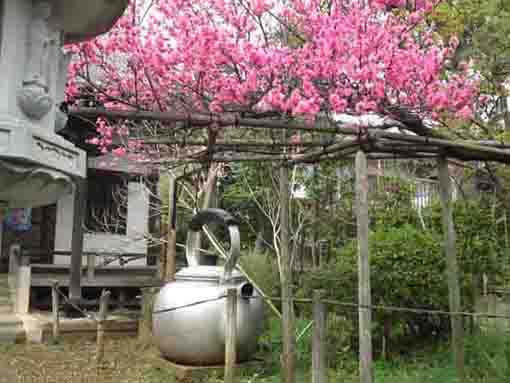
[(38, 167)]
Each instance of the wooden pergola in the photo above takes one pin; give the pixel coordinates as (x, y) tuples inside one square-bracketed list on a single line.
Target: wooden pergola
[(202, 138), (225, 138)]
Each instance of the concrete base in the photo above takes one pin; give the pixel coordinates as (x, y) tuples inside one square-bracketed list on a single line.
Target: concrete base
[(11, 326), (193, 374), (11, 329), (38, 327)]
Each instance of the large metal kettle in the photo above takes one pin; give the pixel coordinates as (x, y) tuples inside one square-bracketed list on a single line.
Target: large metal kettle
[(189, 314)]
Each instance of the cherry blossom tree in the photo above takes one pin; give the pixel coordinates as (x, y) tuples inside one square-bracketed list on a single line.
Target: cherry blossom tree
[(296, 58), (260, 58)]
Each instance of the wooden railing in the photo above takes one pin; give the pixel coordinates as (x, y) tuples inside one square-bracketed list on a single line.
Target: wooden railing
[(111, 257)]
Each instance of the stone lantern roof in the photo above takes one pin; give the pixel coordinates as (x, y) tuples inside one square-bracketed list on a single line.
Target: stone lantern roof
[(82, 20)]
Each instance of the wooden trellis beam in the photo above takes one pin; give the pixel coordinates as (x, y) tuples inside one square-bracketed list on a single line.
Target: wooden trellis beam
[(463, 150)]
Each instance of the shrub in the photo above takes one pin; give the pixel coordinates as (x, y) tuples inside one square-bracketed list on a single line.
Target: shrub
[(263, 268), (407, 270)]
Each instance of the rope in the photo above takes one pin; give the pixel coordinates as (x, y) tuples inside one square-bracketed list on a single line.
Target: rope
[(84, 313), (351, 305)]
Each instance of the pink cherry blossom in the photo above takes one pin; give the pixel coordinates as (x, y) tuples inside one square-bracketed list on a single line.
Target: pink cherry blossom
[(119, 152), (465, 113), (271, 55)]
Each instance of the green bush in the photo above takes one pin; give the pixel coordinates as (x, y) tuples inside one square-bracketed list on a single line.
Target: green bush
[(407, 270), (488, 357), (263, 269)]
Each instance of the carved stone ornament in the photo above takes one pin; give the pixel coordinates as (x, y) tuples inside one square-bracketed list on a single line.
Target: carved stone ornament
[(43, 42), (34, 101)]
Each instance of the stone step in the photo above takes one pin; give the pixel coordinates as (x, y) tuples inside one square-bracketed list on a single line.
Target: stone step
[(11, 329)]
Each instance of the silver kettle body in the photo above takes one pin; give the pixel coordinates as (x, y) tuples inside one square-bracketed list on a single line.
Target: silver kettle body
[(189, 314)]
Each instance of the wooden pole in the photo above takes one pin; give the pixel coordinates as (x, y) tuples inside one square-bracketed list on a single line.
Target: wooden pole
[(288, 322), (319, 350), (171, 250), (101, 318), (55, 306), (145, 325), (231, 336), (91, 266), (452, 267), (364, 292), (77, 239)]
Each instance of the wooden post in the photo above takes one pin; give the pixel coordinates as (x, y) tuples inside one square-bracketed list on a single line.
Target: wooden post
[(145, 325), (123, 297), (231, 336), (452, 267), (319, 350), (171, 250), (55, 308), (91, 266), (77, 238), (364, 292), (288, 322), (101, 318)]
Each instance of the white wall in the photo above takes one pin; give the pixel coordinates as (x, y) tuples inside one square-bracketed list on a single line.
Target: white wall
[(132, 242)]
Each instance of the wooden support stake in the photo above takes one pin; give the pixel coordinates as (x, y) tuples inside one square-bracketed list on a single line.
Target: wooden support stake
[(319, 350), (91, 266), (231, 336), (145, 324), (55, 308), (364, 292), (101, 318), (445, 186)]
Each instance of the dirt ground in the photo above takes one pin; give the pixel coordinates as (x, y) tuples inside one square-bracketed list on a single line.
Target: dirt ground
[(126, 361)]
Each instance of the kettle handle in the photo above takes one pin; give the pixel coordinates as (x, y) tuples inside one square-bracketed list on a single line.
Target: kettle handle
[(207, 216)]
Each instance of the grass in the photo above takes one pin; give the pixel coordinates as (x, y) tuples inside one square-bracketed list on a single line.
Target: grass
[(126, 360), (487, 357)]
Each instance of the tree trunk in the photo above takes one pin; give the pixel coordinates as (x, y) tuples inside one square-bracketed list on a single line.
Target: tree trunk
[(388, 320), (315, 236), (171, 246)]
